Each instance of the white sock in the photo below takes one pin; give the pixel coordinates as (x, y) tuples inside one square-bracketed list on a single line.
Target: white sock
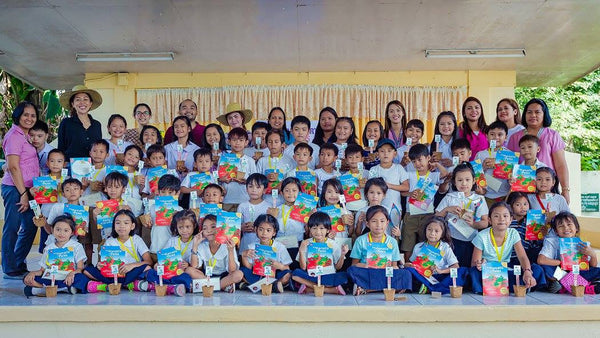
[(38, 291)]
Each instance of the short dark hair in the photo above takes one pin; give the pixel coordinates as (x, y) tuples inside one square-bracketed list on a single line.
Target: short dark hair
[(259, 179), (260, 125), (460, 143), (137, 148), (238, 132), (416, 123), (303, 145), (465, 166), (547, 122), (319, 218), (57, 151), (300, 119), (417, 151), (376, 182), (40, 126), (116, 116), (529, 138), (129, 214), (275, 132), (20, 108), (498, 205), (66, 218), (70, 180), (156, 148), (116, 177), (169, 182), (202, 152), (353, 148), (291, 180), (266, 218), (375, 209), (329, 146), (215, 186), (101, 142), (563, 216), (180, 103), (183, 215), (498, 125)]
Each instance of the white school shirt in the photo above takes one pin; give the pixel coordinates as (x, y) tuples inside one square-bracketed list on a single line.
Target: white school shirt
[(504, 188), (282, 255), (538, 163), (112, 148), (400, 153), (394, 175), (337, 250), (97, 176), (78, 252), (434, 176), (184, 247), (477, 204), (284, 163), (444, 148), (289, 152), (138, 245), (221, 256), (552, 202), (58, 209), (323, 176), (448, 257), (248, 216), (187, 155), (236, 192), (250, 151), (356, 205), (290, 227), (159, 235)]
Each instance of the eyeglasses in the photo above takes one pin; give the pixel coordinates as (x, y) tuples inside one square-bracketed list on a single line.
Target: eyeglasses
[(147, 113)]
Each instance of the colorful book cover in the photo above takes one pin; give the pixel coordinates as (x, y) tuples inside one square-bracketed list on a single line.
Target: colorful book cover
[(170, 259), (479, 173), (229, 226), (81, 216), (46, 190), (228, 165), (274, 184), (379, 255), (503, 166), (570, 255), (199, 181), (535, 225), (264, 255), (110, 255), (303, 206), (335, 214), (153, 175), (108, 209), (351, 187), (209, 209), (524, 176), (308, 182), (116, 168), (428, 190), (427, 259), (165, 209), (494, 279), (319, 254), (81, 167), (63, 258)]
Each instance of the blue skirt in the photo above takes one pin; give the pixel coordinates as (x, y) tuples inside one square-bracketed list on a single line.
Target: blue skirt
[(444, 280), (79, 282), (537, 272), (592, 275), (374, 279), (334, 279), (137, 273), (252, 278), (184, 279), (463, 250)]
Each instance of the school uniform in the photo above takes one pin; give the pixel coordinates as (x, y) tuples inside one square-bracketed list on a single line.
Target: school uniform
[(113, 150), (312, 164), (332, 279), (551, 250), (186, 155), (392, 175), (251, 151), (236, 192), (250, 213), (219, 261), (98, 175), (532, 247), (362, 202), (283, 257), (79, 279), (185, 251), (323, 176), (159, 234), (504, 189), (134, 249)]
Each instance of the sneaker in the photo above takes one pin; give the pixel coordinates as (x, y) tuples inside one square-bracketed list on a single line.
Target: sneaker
[(302, 289), (340, 290), (423, 290), (138, 285), (73, 290), (229, 288), (279, 287), (28, 291), (150, 287), (177, 290), (589, 290), (554, 286), (95, 287), (243, 285)]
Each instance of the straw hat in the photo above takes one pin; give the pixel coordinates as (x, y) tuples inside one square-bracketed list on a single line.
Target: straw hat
[(66, 97), (232, 108)]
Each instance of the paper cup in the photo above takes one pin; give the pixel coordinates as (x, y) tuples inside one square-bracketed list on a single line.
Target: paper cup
[(51, 291), (114, 289), (319, 290), (578, 290), (456, 291), (207, 291), (520, 290), (266, 289), (389, 294), (160, 290)]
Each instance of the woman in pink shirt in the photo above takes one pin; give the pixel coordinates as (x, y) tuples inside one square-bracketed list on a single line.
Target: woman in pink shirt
[(537, 121), (473, 126), (22, 167)]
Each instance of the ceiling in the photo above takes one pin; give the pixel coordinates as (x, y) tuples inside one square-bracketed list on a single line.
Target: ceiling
[(40, 37)]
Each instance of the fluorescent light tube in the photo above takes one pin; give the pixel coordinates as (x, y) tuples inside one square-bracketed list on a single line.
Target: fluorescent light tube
[(120, 57), (475, 53)]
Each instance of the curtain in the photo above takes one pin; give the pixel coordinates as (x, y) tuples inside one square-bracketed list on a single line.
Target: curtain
[(361, 102)]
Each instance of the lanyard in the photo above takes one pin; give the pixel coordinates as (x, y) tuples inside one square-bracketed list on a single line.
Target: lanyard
[(371, 238), (132, 252), (544, 208), (426, 175), (97, 173), (437, 245), (212, 262), (186, 245), (397, 139), (285, 217), (500, 253), (277, 162)]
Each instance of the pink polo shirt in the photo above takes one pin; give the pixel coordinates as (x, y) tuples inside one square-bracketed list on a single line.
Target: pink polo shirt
[(17, 143), (550, 142), (478, 142)]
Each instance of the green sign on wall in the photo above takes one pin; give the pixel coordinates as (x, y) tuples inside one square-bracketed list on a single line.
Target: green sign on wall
[(590, 202)]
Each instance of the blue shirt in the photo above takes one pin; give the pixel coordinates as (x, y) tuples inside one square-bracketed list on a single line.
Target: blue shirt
[(483, 242), (359, 250)]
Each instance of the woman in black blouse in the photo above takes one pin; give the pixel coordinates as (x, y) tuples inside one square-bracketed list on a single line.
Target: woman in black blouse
[(77, 132)]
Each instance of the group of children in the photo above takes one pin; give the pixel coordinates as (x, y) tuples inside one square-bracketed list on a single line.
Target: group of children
[(338, 215)]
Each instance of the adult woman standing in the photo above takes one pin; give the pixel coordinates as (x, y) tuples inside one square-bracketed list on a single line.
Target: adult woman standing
[(507, 111), (473, 127), (77, 132), (327, 119), (537, 121), (277, 121), (22, 166), (142, 114), (395, 122)]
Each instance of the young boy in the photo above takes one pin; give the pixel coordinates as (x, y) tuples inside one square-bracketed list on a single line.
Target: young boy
[(203, 163), (168, 185), (303, 154), (354, 156), (250, 210), (259, 130), (236, 189), (98, 154), (415, 218), (497, 189), (392, 173), (414, 133), (213, 194), (461, 148), (157, 157), (327, 156), (39, 139), (300, 130), (276, 160), (529, 146)]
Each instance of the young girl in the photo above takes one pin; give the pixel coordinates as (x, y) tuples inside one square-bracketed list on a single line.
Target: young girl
[(465, 212), (367, 278), (290, 232), (180, 152), (344, 134), (395, 122), (220, 261), (473, 125), (495, 244), (63, 228), (330, 195), (445, 126), (133, 154), (520, 205), (214, 134), (565, 225), (116, 128), (277, 122), (319, 225), (375, 190), (372, 133), (437, 233), (547, 197), (150, 135), (136, 259), (266, 228), (183, 227)]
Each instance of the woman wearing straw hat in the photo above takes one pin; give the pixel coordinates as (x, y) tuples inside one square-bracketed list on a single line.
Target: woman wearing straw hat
[(235, 116), (77, 132)]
